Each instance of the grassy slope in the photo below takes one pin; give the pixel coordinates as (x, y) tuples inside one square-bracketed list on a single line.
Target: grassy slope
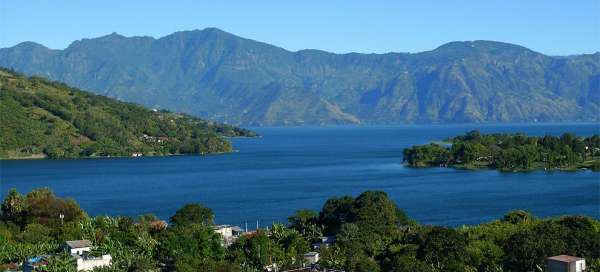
[(40, 118)]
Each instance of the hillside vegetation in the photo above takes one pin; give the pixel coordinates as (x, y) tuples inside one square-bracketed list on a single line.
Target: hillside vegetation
[(371, 234), (223, 77), (509, 152), (40, 118)]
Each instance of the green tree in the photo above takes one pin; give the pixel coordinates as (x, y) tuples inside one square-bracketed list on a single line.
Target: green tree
[(306, 222), (45, 208), (443, 248), (527, 249), (335, 212), (62, 263), (254, 252), (194, 244), (193, 214), (14, 207), (518, 217)]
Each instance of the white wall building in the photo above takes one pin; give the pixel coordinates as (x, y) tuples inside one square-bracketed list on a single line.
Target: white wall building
[(565, 263), (225, 230), (79, 249), (88, 263), (311, 257), (229, 233), (79, 246)]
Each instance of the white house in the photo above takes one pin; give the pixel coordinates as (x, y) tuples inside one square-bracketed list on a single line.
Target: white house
[(79, 246), (80, 249), (225, 230), (311, 257), (565, 263), (229, 233)]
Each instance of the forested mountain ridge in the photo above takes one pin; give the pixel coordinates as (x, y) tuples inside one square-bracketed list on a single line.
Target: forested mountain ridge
[(40, 118), (217, 75)]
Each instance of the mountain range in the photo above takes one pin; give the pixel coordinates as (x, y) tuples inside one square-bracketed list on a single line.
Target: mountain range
[(217, 75)]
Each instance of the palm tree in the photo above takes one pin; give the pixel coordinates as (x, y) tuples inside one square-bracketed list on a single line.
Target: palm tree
[(62, 263)]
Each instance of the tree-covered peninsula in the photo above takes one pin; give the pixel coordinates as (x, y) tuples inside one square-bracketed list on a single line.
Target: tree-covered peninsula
[(509, 152), (41, 118), (367, 233)]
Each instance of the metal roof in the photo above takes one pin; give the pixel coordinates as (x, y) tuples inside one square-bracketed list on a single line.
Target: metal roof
[(565, 258), (79, 243)]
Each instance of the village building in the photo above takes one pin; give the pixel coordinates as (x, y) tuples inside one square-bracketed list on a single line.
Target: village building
[(79, 246), (311, 257), (565, 263), (80, 250), (325, 242), (88, 263), (228, 232), (36, 263)]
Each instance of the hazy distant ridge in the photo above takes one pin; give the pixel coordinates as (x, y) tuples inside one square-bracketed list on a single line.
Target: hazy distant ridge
[(218, 75)]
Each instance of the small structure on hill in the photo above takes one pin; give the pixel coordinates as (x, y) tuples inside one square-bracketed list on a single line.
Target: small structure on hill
[(230, 233), (311, 257), (79, 246), (87, 263), (326, 241), (565, 263), (80, 250), (36, 263)]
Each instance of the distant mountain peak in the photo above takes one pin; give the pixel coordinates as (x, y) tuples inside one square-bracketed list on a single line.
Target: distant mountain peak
[(481, 46), (31, 46), (219, 75)]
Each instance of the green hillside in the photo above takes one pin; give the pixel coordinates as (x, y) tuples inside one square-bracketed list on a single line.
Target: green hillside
[(40, 118)]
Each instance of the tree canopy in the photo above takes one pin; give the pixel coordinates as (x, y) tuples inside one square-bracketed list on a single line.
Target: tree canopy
[(509, 152), (374, 235), (41, 118)]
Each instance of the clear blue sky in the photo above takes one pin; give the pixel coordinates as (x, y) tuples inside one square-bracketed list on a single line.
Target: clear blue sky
[(549, 26)]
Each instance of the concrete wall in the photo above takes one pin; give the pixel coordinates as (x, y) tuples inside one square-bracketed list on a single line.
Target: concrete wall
[(579, 266), (80, 251), (90, 264), (226, 232)]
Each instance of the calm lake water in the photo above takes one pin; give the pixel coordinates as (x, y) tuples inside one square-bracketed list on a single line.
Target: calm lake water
[(301, 167)]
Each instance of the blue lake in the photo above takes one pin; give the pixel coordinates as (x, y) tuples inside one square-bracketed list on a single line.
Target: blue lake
[(300, 167)]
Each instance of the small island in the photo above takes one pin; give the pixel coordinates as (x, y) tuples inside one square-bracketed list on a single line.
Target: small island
[(46, 119), (509, 152)]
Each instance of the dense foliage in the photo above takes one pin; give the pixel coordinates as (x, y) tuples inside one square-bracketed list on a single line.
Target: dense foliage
[(509, 152), (42, 118), (371, 234), (224, 77)]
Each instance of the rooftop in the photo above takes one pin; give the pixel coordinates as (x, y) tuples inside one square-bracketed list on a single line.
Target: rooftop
[(565, 258), (236, 229), (222, 226), (79, 243)]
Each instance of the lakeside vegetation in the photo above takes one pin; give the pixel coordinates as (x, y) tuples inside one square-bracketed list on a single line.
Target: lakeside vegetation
[(371, 234), (41, 118), (509, 152)]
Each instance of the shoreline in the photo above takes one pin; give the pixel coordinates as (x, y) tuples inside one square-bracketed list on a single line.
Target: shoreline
[(475, 168), (45, 157)]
